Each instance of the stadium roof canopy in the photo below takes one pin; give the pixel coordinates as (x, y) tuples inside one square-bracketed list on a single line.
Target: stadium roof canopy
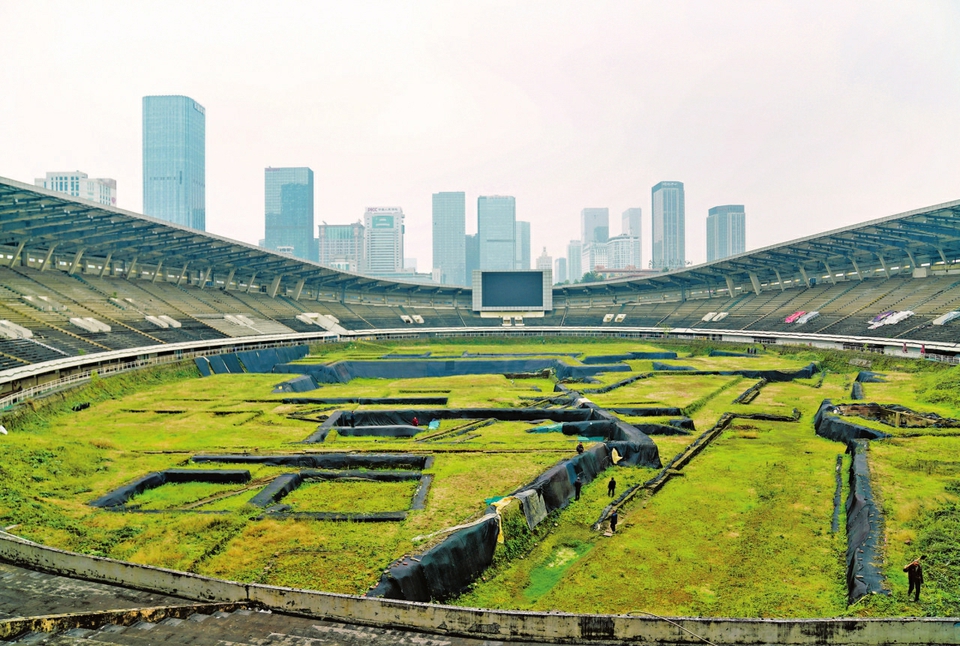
[(36, 219)]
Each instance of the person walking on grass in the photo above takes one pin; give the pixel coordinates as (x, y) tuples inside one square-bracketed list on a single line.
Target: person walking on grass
[(612, 488), (614, 517), (914, 570), (576, 487)]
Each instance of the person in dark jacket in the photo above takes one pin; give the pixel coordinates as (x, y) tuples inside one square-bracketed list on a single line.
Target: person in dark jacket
[(579, 448), (914, 570), (614, 517), (576, 487), (612, 488)]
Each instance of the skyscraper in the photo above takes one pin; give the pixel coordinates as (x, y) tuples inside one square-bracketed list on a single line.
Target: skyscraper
[(523, 245), (383, 240), (471, 245), (630, 222), (544, 262), (726, 231), (669, 250), (560, 270), (102, 190), (174, 160), (341, 246), (496, 230), (594, 225), (449, 227), (288, 210), (574, 268)]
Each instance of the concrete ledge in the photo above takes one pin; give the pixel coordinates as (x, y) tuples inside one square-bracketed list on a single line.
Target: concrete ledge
[(487, 624)]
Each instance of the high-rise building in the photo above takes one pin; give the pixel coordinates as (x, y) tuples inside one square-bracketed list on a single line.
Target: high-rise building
[(623, 252), (574, 266), (101, 190), (630, 221), (288, 210), (522, 238), (544, 262), (383, 240), (471, 244), (594, 225), (341, 246), (560, 270), (669, 250), (449, 227), (174, 160), (593, 255), (496, 231), (726, 231)]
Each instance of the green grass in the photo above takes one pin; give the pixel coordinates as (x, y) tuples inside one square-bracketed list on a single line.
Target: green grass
[(351, 496)]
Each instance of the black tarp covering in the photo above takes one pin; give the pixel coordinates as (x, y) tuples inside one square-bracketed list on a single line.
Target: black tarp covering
[(326, 460), (344, 371), (395, 430), (120, 496), (301, 384), (666, 366), (661, 429), (863, 531), (726, 353), (250, 360), (833, 427), (856, 390), (203, 365), (445, 570), (277, 489), (683, 422), (649, 411), (217, 365), (619, 384), (867, 377), (232, 363)]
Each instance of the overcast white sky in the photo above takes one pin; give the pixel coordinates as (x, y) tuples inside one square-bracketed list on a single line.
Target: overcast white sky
[(814, 115)]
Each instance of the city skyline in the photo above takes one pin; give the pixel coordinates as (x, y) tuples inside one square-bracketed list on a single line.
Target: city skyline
[(456, 96), (288, 211)]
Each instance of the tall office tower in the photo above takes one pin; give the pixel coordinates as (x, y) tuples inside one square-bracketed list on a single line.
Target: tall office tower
[(471, 244), (544, 262), (630, 221), (560, 270), (288, 210), (574, 268), (726, 231), (623, 252), (101, 190), (496, 231), (594, 225), (341, 246), (522, 238), (592, 256), (383, 240), (669, 251), (449, 227), (174, 160)]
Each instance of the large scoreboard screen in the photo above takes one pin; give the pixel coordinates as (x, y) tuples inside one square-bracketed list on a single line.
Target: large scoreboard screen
[(512, 291)]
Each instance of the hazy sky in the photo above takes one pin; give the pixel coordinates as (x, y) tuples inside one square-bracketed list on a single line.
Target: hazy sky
[(813, 115)]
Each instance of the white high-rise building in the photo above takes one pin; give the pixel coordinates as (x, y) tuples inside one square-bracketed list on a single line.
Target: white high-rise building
[(726, 231), (668, 226), (574, 267), (623, 252), (593, 255), (545, 262), (383, 240), (560, 270), (449, 253), (101, 190)]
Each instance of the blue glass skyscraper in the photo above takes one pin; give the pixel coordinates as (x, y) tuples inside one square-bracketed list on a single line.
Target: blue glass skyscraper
[(669, 226), (288, 211), (449, 226), (497, 230), (174, 160), (726, 231)]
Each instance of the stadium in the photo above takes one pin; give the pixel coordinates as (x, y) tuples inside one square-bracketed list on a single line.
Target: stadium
[(90, 293)]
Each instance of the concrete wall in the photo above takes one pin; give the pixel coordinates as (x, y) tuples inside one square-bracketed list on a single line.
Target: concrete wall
[(486, 624)]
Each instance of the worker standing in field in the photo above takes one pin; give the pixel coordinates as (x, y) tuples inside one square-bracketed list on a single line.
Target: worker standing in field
[(614, 517), (576, 487), (612, 488), (914, 570), (579, 448)]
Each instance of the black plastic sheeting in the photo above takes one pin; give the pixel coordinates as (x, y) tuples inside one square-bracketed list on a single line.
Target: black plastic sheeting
[(666, 366), (301, 384), (369, 401), (864, 519), (327, 460), (867, 377), (856, 390), (607, 358), (344, 371), (120, 496), (395, 430), (250, 360), (649, 411), (726, 353), (445, 570), (829, 425), (683, 422), (661, 429)]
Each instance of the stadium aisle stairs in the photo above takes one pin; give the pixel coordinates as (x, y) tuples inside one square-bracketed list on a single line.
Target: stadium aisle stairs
[(48, 327), (770, 309), (856, 311), (192, 326)]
